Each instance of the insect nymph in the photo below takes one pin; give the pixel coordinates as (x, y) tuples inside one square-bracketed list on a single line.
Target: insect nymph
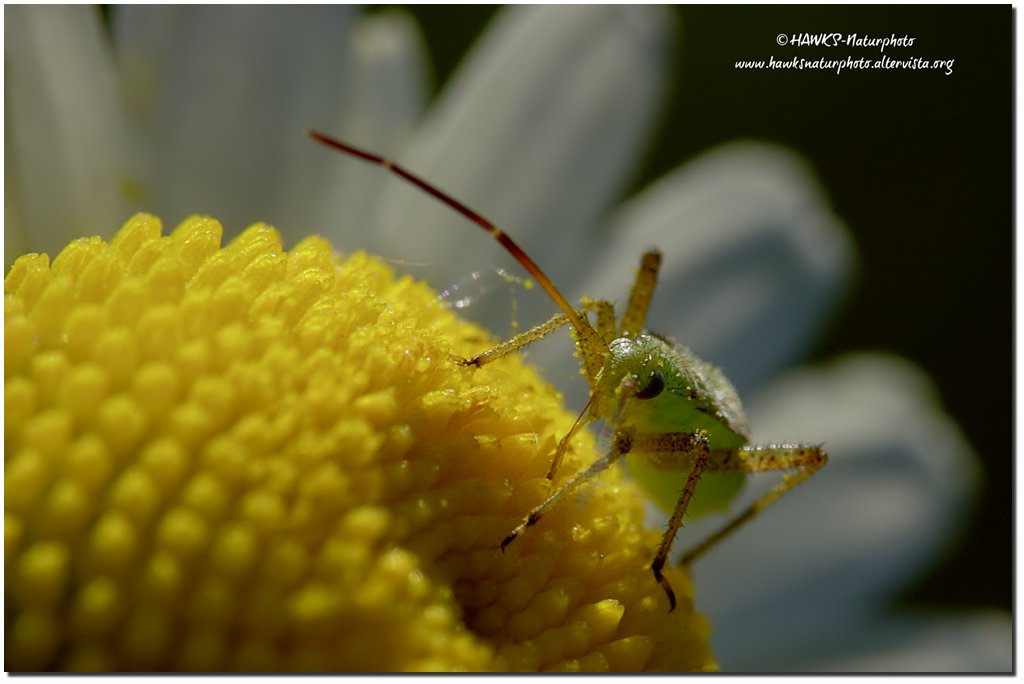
[(659, 401)]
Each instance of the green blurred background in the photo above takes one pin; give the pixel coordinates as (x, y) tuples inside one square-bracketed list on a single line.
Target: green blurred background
[(919, 165)]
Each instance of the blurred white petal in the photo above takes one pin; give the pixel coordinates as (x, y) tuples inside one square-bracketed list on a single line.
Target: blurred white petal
[(928, 642), (538, 131), (898, 482), (64, 155), (211, 137), (753, 257), (382, 106), (15, 238)]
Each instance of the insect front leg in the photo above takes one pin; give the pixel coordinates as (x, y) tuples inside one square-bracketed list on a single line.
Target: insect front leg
[(805, 459), (515, 343), (604, 312), (621, 445), (582, 420)]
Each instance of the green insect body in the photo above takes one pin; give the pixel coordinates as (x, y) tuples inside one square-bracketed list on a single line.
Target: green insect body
[(696, 397), (674, 418)]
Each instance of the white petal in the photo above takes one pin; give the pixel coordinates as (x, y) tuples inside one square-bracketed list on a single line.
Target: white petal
[(894, 493), (753, 257), (924, 642), (64, 161), (537, 131), (384, 102), (15, 237), (221, 96)]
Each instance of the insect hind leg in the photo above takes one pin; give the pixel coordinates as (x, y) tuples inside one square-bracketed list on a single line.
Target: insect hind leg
[(804, 459)]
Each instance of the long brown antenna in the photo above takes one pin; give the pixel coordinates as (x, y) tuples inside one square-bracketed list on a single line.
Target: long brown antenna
[(582, 327)]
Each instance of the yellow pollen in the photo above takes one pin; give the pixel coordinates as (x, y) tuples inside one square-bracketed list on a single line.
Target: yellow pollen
[(242, 458)]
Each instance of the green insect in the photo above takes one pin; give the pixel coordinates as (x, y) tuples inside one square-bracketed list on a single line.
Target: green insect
[(665, 408)]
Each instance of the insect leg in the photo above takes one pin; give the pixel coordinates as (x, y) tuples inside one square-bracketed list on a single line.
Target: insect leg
[(516, 342), (641, 294), (621, 444), (585, 418), (605, 323), (805, 459), (605, 328), (692, 445)]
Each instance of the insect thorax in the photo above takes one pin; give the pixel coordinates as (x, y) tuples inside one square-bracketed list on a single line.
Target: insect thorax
[(696, 395)]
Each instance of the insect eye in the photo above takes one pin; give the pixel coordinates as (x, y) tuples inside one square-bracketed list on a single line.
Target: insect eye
[(653, 387)]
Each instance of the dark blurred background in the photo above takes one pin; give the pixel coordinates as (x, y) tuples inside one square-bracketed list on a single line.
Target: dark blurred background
[(919, 165)]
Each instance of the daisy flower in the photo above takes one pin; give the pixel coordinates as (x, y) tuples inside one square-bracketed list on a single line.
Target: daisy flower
[(192, 110)]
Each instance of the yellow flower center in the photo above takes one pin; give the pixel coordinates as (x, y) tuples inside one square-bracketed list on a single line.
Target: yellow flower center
[(242, 458)]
